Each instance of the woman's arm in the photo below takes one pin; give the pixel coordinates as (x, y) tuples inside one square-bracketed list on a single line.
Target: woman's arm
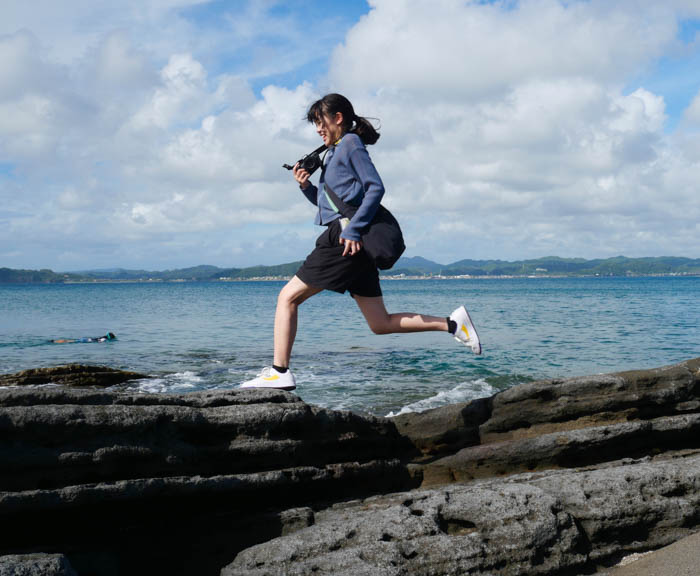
[(373, 189), (309, 190)]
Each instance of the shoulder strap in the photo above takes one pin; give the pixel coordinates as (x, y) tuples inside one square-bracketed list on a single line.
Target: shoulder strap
[(341, 207)]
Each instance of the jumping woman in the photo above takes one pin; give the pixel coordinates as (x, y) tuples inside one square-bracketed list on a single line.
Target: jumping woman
[(338, 262)]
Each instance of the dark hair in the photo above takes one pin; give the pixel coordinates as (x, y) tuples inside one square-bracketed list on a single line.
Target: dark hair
[(330, 104)]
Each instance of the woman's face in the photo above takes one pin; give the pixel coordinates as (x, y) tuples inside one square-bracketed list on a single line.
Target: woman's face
[(330, 128)]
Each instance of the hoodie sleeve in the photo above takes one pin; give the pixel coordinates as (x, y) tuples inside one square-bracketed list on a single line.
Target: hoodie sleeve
[(311, 193), (373, 189)]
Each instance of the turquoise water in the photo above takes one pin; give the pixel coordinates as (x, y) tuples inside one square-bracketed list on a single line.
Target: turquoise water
[(194, 336)]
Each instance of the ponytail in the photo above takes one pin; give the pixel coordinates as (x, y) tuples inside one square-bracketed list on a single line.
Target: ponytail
[(365, 130), (331, 104)]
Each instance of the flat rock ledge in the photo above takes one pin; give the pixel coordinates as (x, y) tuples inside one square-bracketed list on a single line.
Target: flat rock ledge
[(130, 483), (557, 477), (35, 565), (70, 375), (563, 522)]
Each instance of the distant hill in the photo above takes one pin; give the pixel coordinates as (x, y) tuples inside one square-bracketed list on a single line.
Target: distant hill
[(10, 276), (193, 273), (278, 270), (415, 266), (552, 266)]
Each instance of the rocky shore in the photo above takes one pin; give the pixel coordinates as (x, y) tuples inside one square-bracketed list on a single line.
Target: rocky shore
[(557, 477), (70, 375)]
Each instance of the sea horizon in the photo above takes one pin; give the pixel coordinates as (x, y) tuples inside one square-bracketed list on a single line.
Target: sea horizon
[(412, 268)]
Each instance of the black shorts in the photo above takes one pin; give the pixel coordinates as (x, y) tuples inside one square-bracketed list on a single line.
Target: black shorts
[(327, 268)]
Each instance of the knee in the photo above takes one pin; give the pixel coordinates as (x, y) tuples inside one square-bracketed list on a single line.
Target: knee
[(288, 298), (380, 330), (380, 326), (285, 299)]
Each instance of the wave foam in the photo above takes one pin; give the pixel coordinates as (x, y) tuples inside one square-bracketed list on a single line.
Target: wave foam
[(176, 382), (463, 392)]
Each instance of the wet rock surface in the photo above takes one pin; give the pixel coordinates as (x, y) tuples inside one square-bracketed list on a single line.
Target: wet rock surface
[(35, 565), (552, 477), (565, 522), (123, 481), (70, 375), (537, 408)]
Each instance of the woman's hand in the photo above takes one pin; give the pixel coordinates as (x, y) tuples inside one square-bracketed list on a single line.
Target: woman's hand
[(352, 247), (301, 176)]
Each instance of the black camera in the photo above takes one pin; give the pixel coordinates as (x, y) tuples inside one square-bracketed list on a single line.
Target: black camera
[(311, 162)]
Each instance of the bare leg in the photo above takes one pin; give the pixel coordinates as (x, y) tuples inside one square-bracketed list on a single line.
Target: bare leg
[(381, 322), (293, 294)]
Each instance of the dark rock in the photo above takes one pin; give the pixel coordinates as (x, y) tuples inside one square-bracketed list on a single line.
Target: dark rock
[(296, 519), (58, 437), (70, 375), (547, 478), (565, 522), (631, 507), (551, 405), (538, 408), (127, 476), (35, 565), (445, 429), (567, 449), (571, 522)]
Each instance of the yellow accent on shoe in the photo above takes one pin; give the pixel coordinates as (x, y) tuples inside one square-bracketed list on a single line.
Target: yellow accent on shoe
[(464, 329), (271, 378)]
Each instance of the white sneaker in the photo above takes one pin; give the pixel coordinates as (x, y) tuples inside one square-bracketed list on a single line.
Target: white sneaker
[(466, 333), (270, 378)]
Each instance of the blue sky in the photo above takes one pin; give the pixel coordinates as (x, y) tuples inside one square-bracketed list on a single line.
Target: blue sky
[(302, 19), (150, 134), (676, 75)]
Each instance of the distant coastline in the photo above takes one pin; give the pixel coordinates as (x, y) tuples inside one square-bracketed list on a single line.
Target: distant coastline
[(415, 268), (388, 277)]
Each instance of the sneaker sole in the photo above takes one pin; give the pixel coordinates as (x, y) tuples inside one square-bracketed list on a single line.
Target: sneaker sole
[(467, 344), (284, 388)]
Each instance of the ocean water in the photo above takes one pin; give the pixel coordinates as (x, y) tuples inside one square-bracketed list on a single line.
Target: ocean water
[(194, 336)]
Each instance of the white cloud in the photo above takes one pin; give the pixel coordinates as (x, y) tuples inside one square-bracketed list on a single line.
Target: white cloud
[(473, 50), (180, 97), (169, 154), (117, 66), (640, 111), (692, 113), (502, 123), (69, 29), (509, 130)]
